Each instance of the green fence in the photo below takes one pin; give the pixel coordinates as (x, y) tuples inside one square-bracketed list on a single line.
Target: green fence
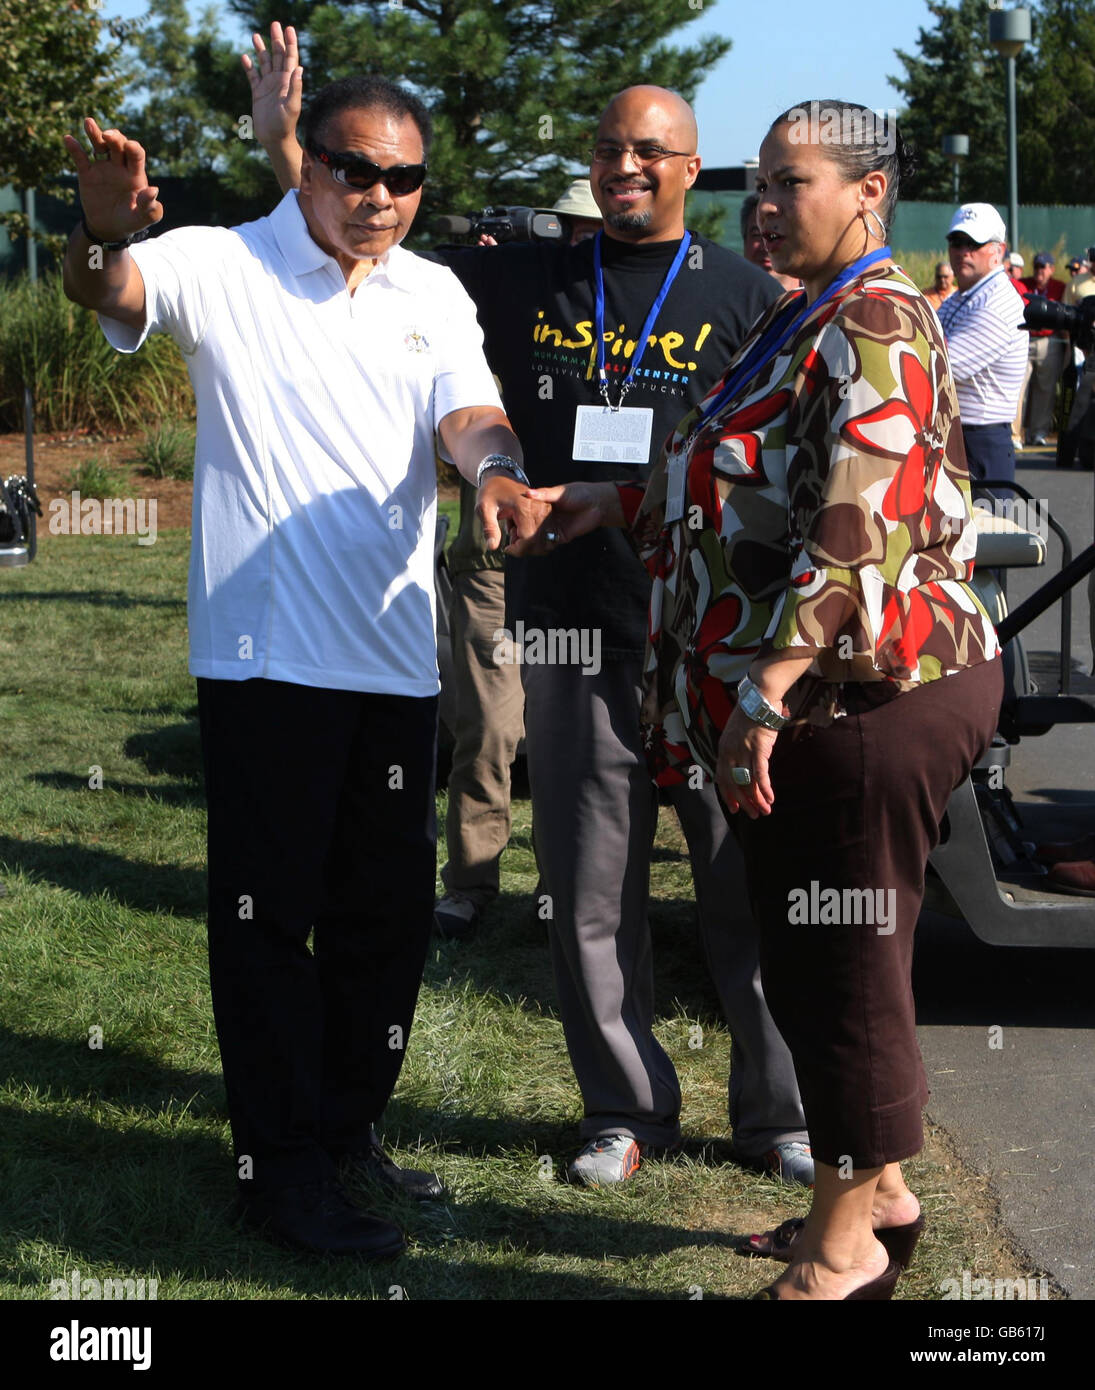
[(922, 227)]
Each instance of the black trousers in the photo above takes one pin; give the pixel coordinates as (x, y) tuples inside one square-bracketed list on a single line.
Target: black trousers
[(321, 820)]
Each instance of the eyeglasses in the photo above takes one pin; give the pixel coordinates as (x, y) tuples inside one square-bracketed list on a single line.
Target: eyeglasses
[(964, 243), (645, 152), (355, 171)]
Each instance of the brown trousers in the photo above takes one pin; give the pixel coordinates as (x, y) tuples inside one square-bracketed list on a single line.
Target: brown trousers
[(858, 807)]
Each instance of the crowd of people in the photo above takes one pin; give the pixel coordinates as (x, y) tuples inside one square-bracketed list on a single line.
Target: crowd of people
[(747, 475), (1051, 358)]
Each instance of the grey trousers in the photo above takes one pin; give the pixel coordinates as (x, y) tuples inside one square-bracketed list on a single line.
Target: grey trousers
[(595, 811)]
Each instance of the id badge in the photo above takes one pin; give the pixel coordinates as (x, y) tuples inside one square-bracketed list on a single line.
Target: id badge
[(676, 487), (613, 436)]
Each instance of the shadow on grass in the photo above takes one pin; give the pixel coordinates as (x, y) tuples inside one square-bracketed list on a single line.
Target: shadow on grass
[(133, 1198), (119, 1075), (95, 598), (173, 751), (165, 794), (131, 882), (510, 958)]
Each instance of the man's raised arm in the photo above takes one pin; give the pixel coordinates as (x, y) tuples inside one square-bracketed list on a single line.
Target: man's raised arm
[(117, 202), (277, 79)]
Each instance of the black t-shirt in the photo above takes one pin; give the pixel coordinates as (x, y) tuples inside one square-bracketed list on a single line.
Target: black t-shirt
[(537, 309)]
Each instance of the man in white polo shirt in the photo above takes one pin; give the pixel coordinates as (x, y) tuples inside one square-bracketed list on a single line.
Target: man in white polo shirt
[(325, 360), (985, 343)]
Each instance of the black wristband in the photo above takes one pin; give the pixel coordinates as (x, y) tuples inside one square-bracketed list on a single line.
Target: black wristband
[(112, 245)]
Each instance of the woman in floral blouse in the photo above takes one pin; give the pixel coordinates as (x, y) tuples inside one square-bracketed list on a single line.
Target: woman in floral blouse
[(816, 648)]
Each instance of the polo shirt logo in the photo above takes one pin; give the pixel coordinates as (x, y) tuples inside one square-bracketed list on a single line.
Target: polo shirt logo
[(416, 342)]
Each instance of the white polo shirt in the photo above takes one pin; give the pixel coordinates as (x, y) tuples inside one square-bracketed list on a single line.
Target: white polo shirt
[(314, 484), (986, 348)]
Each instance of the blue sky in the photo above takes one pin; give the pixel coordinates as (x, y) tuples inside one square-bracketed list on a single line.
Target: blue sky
[(783, 53)]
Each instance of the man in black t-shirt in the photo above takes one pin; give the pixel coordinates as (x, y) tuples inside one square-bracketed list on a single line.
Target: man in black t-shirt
[(578, 619), (673, 309)]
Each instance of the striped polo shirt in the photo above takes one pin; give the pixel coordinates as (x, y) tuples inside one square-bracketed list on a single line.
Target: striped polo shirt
[(987, 349)]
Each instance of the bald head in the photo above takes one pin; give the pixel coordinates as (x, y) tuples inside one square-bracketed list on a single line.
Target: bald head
[(649, 104), (644, 161)]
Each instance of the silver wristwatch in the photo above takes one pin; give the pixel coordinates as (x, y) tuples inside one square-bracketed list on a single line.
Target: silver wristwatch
[(501, 463), (755, 707)]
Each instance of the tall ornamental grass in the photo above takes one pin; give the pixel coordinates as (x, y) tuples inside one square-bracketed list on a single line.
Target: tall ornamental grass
[(79, 381)]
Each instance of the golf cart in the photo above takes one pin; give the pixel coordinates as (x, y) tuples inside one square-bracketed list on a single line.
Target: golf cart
[(983, 869)]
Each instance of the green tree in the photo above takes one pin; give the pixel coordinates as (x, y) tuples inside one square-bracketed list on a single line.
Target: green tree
[(58, 63), (165, 108), (1057, 130), (956, 83), (515, 88)]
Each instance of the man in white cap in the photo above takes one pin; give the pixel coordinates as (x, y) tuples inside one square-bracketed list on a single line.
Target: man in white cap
[(1014, 265), (985, 343)]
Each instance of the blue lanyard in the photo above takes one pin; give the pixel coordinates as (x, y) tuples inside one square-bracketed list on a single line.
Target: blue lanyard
[(787, 324), (651, 318)]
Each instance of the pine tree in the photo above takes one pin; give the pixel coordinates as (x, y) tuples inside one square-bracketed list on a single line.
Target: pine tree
[(166, 108), (516, 89), (956, 85), (1057, 136)]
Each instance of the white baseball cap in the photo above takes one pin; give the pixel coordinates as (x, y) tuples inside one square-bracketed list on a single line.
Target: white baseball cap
[(980, 222), (1016, 260)]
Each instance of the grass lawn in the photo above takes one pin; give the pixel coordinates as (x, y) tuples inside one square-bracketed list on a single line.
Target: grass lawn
[(115, 1142)]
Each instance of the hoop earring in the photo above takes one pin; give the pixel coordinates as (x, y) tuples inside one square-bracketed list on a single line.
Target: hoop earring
[(880, 235)]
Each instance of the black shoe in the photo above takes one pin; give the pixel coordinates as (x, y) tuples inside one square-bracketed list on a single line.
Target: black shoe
[(374, 1165), (320, 1218), (456, 917)]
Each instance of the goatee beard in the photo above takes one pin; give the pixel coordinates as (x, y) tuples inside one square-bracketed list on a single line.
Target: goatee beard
[(630, 221)]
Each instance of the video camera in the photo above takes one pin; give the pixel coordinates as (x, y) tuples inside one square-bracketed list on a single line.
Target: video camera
[(1079, 321), (504, 224)]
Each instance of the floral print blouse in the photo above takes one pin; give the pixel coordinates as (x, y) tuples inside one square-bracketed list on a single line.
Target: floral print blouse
[(825, 507)]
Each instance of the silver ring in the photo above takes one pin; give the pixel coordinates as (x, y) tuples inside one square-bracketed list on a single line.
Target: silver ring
[(741, 775), (551, 537)]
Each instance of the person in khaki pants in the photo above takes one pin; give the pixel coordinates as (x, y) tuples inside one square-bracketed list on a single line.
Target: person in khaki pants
[(489, 725)]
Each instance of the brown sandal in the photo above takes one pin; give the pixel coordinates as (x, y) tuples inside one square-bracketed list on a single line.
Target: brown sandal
[(778, 1244)]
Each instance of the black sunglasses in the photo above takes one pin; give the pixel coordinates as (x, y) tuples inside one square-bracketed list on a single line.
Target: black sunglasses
[(355, 171), (964, 242)]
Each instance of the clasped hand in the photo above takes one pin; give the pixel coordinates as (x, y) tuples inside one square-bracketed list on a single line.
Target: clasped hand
[(563, 514)]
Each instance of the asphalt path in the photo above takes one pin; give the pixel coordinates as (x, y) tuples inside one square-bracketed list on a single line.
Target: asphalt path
[(1008, 1034)]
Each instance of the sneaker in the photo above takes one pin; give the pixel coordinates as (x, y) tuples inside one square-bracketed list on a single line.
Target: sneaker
[(456, 917), (791, 1162), (1039, 441), (609, 1159)]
